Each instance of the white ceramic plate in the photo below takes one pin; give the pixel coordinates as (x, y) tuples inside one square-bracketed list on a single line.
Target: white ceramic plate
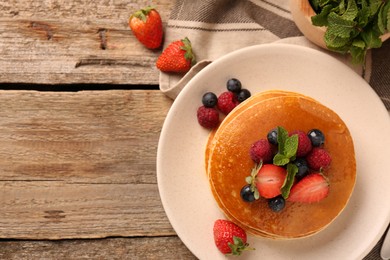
[(182, 182)]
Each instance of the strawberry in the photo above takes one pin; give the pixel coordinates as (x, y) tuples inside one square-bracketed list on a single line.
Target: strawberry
[(147, 27), (177, 57), (312, 188), (269, 180), (229, 238)]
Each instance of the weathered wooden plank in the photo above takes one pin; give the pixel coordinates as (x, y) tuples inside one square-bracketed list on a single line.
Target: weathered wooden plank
[(80, 164), (55, 42), (60, 210), (86, 136), (111, 248)]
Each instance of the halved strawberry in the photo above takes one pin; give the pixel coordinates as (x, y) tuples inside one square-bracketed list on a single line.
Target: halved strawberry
[(269, 180), (312, 188)]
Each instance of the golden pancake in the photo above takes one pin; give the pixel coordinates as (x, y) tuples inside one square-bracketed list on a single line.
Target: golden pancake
[(229, 163), (259, 97)]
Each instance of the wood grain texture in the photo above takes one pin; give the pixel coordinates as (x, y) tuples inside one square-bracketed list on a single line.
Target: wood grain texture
[(110, 248), (80, 164), (63, 42)]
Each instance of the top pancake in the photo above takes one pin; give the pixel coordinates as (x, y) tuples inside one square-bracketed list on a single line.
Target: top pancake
[(229, 162)]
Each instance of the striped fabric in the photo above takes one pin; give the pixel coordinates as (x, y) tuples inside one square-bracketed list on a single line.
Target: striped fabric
[(217, 27), (222, 26)]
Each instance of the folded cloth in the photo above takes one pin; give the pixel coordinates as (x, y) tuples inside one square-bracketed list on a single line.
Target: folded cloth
[(217, 27)]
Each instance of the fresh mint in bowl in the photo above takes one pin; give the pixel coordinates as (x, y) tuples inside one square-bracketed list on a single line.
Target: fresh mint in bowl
[(344, 26)]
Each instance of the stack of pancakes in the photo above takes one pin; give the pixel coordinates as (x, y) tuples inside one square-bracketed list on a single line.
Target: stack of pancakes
[(228, 162)]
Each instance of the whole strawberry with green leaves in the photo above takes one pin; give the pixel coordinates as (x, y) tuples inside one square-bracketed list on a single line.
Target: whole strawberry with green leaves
[(147, 27), (178, 57), (229, 238)]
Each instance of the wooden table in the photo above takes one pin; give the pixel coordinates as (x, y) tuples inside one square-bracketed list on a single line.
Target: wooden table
[(81, 115)]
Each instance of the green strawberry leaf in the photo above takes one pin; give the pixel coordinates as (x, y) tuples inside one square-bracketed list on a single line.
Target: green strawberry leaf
[(251, 179), (238, 246)]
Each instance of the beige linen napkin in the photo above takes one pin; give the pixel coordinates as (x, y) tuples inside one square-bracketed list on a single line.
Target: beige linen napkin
[(217, 27)]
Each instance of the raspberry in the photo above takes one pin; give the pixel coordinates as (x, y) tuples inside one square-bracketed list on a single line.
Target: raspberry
[(261, 151), (318, 158), (227, 101), (304, 143), (208, 117)]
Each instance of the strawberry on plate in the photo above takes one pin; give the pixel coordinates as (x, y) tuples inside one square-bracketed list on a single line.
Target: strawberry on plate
[(269, 180), (312, 188), (147, 27), (177, 57), (229, 238)]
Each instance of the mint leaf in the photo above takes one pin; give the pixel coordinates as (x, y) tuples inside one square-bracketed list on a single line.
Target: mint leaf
[(292, 170), (321, 19), (333, 42), (363, 15), (287, 147), (357, 54), (386, 15), (291, 146), (371, 38), (282, 136), (280, 159), (374, 6), (350, 20), (340, 26), (352, 11)]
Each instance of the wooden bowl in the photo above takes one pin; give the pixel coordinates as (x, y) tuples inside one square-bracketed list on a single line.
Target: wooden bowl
[(302, 12)]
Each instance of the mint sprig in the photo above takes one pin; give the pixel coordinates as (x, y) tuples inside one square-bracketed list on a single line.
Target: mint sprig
[(287, 147), (287, 151), (353, 26)]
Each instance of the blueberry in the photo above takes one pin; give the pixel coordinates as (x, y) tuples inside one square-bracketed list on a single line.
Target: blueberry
[(303, 168), (276, 204), (233, 85), (316, 137), (209, 99), (272, 136), (247, 194), (243, 95)]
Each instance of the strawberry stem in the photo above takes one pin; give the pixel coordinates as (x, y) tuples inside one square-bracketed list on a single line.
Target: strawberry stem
[(189, 55), (238, 246), (142, 14)]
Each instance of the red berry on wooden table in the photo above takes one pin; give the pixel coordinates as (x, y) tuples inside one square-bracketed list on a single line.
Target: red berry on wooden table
[(177, 57), (147, 27)]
